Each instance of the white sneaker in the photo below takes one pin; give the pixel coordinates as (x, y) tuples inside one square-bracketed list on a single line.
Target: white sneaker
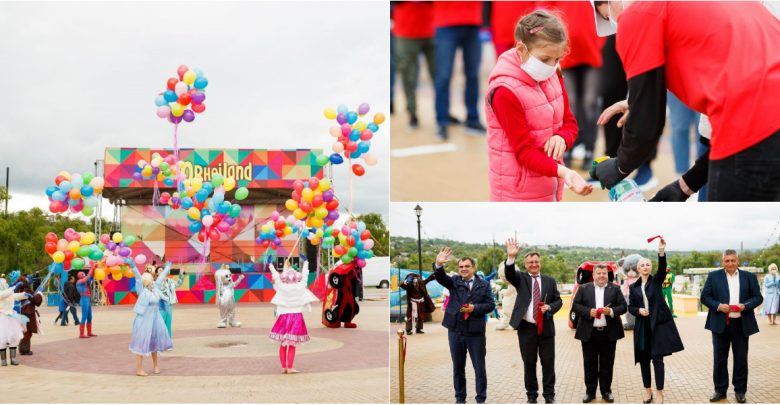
[(578, 153)]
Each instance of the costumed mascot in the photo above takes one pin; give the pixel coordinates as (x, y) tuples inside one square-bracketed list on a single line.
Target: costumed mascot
[(28, 309), (667, 287), (418, 302), (226, 299), (508, 296), (339, 304), (628, 268), (12, 324)]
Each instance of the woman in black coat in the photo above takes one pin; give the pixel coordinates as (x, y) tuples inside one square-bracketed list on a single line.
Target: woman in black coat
[(655, 334)]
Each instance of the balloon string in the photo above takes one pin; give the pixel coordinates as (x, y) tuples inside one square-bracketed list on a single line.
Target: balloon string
[(297, 241), (176, 153), (156, 195), (350, 188)]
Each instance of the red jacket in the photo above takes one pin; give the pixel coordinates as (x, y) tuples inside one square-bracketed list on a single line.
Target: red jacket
[(584, 44), (451, 13), (413, 19)]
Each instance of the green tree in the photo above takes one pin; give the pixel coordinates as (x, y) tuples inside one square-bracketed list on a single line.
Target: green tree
[(379, 233)]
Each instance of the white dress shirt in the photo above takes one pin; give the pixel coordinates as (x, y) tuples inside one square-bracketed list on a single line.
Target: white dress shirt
[(599, 322), (529, 313), (644, 293), (733, 292)]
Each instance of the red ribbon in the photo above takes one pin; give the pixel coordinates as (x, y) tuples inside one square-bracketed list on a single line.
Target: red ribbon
[(653, 238), (599, 312), (733, 308), (539, 319), (465, 314)]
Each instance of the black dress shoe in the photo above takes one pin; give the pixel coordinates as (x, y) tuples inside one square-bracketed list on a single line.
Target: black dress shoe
[(460, 401), (648, 401), (717, 396), (549, 400), (588, 397), (408, 332), (414, 123), (608, 397), (740, 398), (532, 399), (420, 331)]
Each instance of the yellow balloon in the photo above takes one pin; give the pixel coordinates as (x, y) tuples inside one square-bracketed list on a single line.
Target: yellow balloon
[(116, 276), (177, 110), (58, 257), (229, 183), (190, 192), (291, 205), (189, 77), (307, 194), (146, 171), (324, 185), (194, 213), (73, 246), (64, 174), (319, 233), (299, 214), (160, 176), (379, 118), (321, 212), (360, 126), (315, 241), (87, 238), (265, 228), (330, 113), (317, 222), (100, 274), (117, 237), (287, 231), (196, 183)]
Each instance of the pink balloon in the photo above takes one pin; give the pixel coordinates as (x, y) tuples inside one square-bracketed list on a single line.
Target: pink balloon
[(368, 244), (223, 226), (163, 111), (140, 259), (104, 238)]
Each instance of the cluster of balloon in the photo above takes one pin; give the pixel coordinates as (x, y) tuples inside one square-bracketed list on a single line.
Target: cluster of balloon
[(209, 214), (314, 202), (183, 97), (74, 249), (162, 170), (353, 136), (354, 243), (276, 228), (116, 251), (76, 192)]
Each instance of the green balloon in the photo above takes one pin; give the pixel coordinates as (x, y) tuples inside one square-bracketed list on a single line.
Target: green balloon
[(235, 210), (87, 176), (129, 240), (77, 263), (369, 254), (101, 246), (217, 180), (83, 251), (322, 160), (96, 255), (87, 211), (242, 193), (346, 259), (352, 251), (164, 166)]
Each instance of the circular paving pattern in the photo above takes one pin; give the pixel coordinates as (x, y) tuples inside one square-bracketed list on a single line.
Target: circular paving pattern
[(223, 352)]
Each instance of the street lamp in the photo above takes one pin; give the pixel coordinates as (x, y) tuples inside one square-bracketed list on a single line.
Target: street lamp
[(18, 245), (418, 212)]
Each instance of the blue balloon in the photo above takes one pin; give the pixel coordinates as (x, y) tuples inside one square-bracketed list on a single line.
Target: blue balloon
[(354, 136), (204, 212), (211, 205), (202, 195), (50, 190), (361, 226), (73, 203), (65, 186), (168, 182), (186, 203), (352, 117), (87, 191), (201, 83), (355, 154), (336, 159), (218, 197), (208, 187), (195, 226), (170, 96), (58, 196), (372, 127), (160, 101), (363, 148), (198, 72), (224, 207), (342, 109)]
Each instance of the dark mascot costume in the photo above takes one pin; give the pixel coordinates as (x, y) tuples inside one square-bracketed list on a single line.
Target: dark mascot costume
[(340, 304), (28, 309)]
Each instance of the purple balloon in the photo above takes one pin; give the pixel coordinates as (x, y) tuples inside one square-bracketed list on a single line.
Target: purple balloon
[(363, 108), (198, 97), (258, 240), (137, 176), (333, 215), (230, 220), (155, 170), (111, 245), (341, 118), (124, 252), (122, 244), (188, 116), (173, 119), (327, 195), (176, 200)]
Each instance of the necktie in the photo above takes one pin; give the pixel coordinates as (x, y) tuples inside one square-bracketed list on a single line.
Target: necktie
[(468, 283), (536, 295)]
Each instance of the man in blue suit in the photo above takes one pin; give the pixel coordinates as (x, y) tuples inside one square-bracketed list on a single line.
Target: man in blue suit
[(471, 299), (731, 296)]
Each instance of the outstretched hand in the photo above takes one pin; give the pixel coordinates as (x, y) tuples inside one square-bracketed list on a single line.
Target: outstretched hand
[(576, 183), (621, 107), (511, 248), (661, 245), (444, 256)]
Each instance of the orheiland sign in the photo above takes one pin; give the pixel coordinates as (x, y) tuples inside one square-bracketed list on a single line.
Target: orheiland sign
[(252, 168)]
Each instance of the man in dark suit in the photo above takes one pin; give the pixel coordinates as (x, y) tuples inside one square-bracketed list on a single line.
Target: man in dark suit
[(470, 301), (731, 296), (537, 300), (599, 305)]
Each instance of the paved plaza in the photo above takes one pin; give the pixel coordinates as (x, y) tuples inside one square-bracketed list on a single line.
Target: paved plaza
[(239, 365), (428, 370)]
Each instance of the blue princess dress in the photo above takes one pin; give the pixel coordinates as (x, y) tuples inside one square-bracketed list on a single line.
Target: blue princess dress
[(149, 331)]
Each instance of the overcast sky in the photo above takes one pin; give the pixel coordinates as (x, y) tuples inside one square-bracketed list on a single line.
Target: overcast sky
[(78, 77), (710, 226)]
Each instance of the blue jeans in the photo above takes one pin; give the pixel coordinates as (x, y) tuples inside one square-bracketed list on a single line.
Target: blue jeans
[(681, 118), (64, 312), (475, 346), (446, 42)]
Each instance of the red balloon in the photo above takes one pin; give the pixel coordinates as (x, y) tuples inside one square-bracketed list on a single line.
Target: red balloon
[(339, 250), (305, 206), (181, 71), (51, 237), (313, 183), (280, 224), (66, 265), (68, 255), (365, 234), (172, 83), (51, 247), (366, 135), (59, 180), (202, 235), (185, 98), (316, 201), (296, 195), (332, 205), (265, 243), (298, 185), (214, 234), (279, 233), (351, 147), (198, 108), (351, 240), (358, 170)]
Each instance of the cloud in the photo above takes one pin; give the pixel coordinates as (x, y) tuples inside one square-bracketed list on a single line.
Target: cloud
[(79, 77)]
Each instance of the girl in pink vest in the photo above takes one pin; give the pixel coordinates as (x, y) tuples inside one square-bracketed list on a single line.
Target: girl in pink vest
[(530, 124)]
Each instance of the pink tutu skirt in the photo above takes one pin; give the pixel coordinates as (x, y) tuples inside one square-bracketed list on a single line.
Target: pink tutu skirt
[(11, 329), (290, 329)]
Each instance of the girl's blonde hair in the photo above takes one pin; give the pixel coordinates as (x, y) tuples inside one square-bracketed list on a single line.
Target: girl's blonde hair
[(772, 266), (540, 26)]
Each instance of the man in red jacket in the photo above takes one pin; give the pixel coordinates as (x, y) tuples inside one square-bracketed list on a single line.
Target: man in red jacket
[(725, 63)]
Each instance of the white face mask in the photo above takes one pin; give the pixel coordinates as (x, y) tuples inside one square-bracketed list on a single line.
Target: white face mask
[(537, 69)]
